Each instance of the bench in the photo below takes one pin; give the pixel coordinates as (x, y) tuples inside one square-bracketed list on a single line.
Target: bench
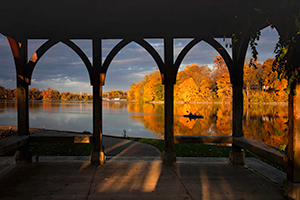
[(258, 148), (48, 136), (12, 143)]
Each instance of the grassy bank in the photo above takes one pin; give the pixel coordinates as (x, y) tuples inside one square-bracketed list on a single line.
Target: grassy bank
[(181, 150), (202, 150), (190, 150)]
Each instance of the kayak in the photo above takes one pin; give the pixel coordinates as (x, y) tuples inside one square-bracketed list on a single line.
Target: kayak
[(194, 116)]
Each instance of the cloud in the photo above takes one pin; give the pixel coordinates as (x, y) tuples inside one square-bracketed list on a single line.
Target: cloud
[(63, 84), (4, 42), (61, 68), (128, 61), (8, 83)]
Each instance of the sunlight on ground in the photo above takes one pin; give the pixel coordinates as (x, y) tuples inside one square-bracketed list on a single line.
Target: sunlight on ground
[(129, 177)]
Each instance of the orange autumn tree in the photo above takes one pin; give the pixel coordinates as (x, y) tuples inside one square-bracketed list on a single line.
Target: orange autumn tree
[(205, 88), (274, 88), (219, 68), (193, 84), (199, 83), (252, 81), (280, 90), (2, 93), (34, 94), (224, 88), (153, 88), (148, 89), (188, 90), (131, 92), (50, 94)]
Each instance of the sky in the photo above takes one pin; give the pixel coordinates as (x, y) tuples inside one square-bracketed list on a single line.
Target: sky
[(61, 69)]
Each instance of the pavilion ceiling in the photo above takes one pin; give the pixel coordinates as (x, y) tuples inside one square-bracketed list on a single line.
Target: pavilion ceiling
[(85, 19)]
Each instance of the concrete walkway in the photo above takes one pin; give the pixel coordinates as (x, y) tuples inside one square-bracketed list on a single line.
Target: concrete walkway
[(134, 171), (118, 147)]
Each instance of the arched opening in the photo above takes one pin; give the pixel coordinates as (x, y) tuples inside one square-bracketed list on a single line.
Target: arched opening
[(202, 87), (133, 73), (8, 103), (61, 81), (265, 96)]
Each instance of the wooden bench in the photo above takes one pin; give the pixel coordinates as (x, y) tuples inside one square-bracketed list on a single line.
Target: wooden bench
[(258, 148), (57, 136), (12, 143), (262, 150), (202, 139)]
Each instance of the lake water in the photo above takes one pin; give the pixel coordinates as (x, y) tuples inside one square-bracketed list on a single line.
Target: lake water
[(265, 123)]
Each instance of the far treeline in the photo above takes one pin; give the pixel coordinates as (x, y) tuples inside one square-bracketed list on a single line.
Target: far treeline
[(51, 94), (202, 84), (193, 84), (48, 94)]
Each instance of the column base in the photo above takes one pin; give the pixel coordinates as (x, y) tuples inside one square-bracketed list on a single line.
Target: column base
[(23, 157), (97, 158), (292, 190), (168, 158), (237, 158)]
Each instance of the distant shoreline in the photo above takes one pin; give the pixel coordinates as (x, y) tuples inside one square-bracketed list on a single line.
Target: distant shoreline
[(161, 102)]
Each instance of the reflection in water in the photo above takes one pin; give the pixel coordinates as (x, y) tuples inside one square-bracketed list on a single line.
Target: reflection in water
[(265, 123)]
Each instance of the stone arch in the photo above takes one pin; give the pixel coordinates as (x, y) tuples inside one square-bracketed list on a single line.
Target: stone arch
[(140, 42), (49, 44), (9, 52), (113, 53), (8, 69), (184, 52), (153, 53), (278, 31), (19, 51), (212, 42)]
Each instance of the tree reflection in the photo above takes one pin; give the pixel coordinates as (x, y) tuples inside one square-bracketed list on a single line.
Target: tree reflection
[(264, 123)]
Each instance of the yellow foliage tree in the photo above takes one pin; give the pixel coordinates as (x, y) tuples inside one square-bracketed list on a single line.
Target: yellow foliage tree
[(189, 90), (224, 88)]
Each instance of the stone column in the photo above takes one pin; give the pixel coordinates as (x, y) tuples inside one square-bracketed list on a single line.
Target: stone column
[(292, 185), (237, 155), (97, 155), (168, 155), (23, 154), (19, 50), (22, 99)]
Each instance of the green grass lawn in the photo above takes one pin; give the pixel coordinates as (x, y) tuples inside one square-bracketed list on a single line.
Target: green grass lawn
[(181, 150), (191, 149)]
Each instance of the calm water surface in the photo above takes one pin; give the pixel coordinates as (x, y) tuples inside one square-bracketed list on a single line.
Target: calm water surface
[(265, 123)]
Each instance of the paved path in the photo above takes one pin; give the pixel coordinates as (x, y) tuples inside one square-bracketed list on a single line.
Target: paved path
[(144, 178), (134, 171), (127, 148), (113, 146)]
